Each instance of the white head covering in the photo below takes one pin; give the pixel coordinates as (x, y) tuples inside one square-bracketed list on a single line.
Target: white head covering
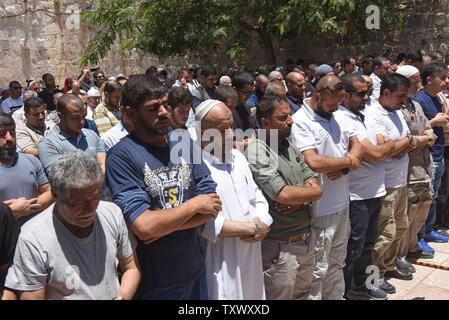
[(93, 93), (203, 109), (407, 71)]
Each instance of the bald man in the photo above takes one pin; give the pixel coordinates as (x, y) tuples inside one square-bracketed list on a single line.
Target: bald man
[(296, 84), (331, 149), (233, 249), (76, 88)]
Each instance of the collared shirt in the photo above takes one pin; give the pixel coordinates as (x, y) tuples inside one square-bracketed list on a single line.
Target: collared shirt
[(58, 142), (392, 125), (111, 137), (274, 168), (106, 117), (28, 136), (233, 267), (329, 138), (367, 182), (377, 83), (420, 164), (295, 104)]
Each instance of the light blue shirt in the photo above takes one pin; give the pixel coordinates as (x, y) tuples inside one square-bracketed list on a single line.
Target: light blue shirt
[(58, 142)]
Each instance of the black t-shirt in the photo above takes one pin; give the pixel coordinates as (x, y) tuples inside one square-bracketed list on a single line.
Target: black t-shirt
[(242, 117), (9, 232), (48, 98)]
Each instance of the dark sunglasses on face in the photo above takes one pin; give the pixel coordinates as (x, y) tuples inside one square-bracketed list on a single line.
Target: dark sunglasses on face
[(360, 94), (246, 93)]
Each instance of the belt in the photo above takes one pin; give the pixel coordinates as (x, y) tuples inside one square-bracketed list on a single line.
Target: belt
[(296, 238)]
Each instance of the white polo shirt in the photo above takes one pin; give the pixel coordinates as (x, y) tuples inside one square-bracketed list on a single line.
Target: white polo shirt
[(392, 125), (367, 182), (329, 138)]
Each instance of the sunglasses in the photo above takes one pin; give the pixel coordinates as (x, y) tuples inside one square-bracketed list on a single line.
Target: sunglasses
[(360, 94), (17, 88)]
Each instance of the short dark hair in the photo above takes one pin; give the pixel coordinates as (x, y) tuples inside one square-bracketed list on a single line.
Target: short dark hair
[(224, 93), (13, 83), (179, 95), (267, 105), (6, 120), (112, 86), (349, 79), (378, 61), (415, 56), (432, 69), (151, 69), (242, 79), (69, 98), (139, 88), (346, 61), (46, 75), (367, 60), (207, 71), (393, 81), (33, 103)]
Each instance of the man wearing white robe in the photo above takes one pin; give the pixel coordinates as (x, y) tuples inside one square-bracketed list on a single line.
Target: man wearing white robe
[(233, 248)]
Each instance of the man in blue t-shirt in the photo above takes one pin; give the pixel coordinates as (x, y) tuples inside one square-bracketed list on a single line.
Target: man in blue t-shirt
[(434, 79), (165, 192)]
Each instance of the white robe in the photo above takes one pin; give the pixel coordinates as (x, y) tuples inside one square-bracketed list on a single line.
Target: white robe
[(233, 267)]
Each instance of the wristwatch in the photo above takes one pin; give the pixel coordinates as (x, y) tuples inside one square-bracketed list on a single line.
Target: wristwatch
[(345, 171), (257, 233)]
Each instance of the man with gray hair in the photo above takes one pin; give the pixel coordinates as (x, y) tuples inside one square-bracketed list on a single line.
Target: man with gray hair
[(276, 88), (69, 250)]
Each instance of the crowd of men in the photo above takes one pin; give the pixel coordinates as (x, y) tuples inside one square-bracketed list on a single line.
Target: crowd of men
[(287, 182)]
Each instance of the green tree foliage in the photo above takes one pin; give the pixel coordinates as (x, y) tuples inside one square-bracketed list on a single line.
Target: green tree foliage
[(177, 27)]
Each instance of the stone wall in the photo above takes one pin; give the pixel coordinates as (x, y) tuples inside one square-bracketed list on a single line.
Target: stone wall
[(35, 39)]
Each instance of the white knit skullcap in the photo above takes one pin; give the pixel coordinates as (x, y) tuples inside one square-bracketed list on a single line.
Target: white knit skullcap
[(203, 109), (407, 71)]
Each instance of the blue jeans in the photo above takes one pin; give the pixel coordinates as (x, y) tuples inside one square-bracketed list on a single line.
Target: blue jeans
[(195, 290), (364, 217), (437, 173)]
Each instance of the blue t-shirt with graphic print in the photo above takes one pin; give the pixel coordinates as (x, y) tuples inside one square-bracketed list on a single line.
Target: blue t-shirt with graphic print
[(141, 177)]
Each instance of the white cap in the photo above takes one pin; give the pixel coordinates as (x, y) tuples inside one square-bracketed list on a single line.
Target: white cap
[(407, 71), (93, 93), (203, 109)]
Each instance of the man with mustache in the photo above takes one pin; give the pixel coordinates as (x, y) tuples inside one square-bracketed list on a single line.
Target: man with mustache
[(164, 193)]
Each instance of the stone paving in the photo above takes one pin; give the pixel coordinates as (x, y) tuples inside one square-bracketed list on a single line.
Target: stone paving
[(428, 283)]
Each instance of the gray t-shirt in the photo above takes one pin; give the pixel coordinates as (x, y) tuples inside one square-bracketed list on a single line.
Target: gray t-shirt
[(48, 255), (22, 179)]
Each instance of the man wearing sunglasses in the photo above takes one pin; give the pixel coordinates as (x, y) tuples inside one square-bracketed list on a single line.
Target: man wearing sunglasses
[(331, 148), (366, 189), (14, 101)]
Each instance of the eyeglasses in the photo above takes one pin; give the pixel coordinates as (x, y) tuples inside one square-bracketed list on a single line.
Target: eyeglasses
[(416, 82), (360, 94), (336, 86), (17, 88)]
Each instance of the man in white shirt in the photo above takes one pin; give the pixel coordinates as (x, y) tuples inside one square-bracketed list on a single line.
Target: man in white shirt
[(393, 224), (233, 249), (366, 189), (14, 101), (381, 68), (330, 148)]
